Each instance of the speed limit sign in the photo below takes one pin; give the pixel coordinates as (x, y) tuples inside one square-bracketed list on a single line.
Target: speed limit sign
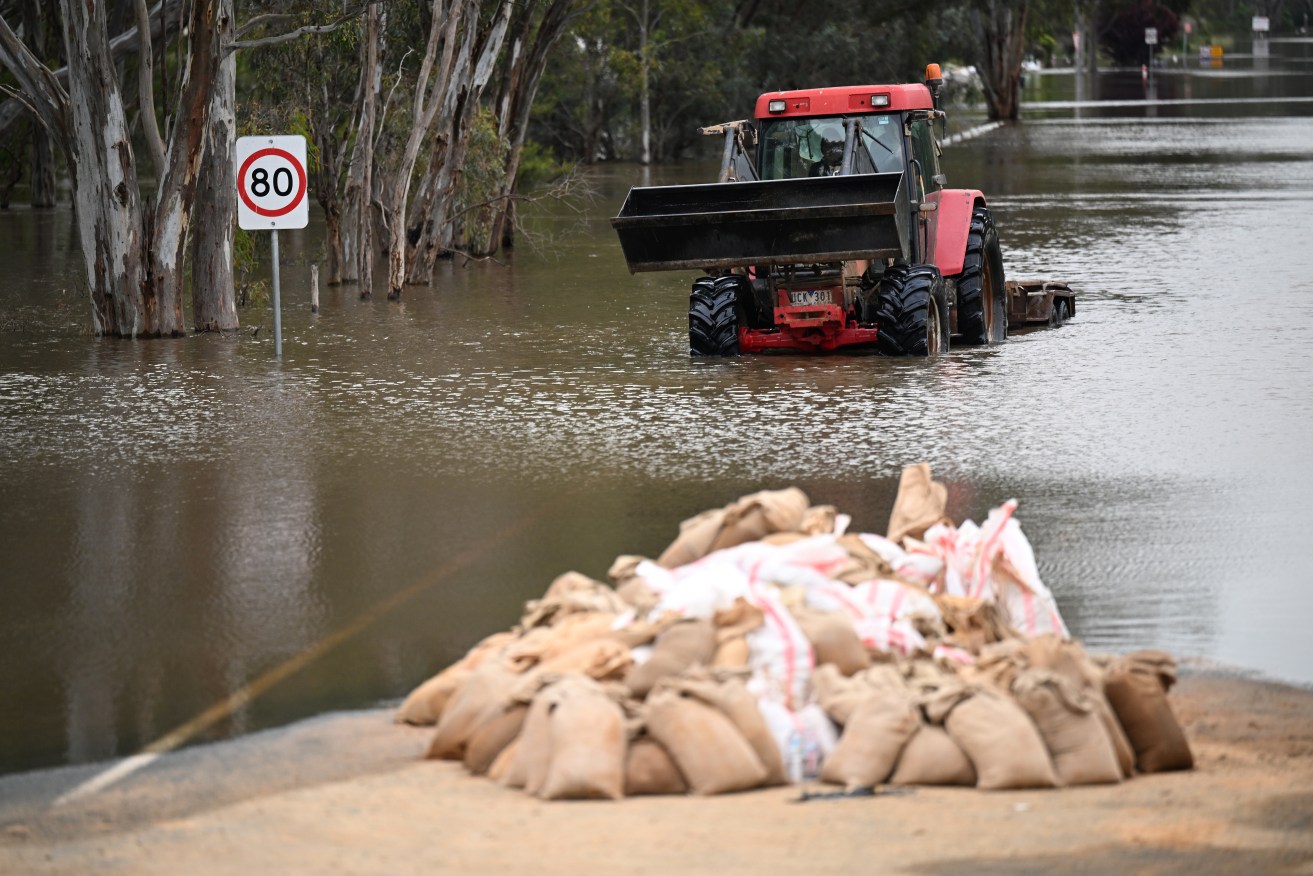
[(271, 183)]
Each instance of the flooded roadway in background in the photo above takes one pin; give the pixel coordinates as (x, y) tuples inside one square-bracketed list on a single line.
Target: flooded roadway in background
[(179, 517)]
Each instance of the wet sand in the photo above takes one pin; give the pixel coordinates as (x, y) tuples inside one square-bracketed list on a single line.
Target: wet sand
[(347, 793)]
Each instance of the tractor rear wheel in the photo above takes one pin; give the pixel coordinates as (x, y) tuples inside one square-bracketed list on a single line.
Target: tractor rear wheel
[(712, 318), (911, 312), (982, 306)]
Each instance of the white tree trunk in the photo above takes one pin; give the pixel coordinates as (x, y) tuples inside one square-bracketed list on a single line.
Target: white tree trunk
[(431, 88), (531, 42), (213, 293), (447, 159), (105, 194), (360, 179), (645, 91)]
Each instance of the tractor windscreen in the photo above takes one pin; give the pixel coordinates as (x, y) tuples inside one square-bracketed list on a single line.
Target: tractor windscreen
[(800, 147)]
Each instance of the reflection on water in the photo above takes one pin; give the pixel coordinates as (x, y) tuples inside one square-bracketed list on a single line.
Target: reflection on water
[(179, 517)]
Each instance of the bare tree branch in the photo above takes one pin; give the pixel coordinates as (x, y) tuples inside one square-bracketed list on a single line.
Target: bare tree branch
[(387, 101), (262, 20), (124, 44), (146, 89), (46, 98), (304, 30), (29, 106)]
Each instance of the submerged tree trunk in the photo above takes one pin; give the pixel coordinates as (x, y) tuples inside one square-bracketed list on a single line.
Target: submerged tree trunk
[(645, 90), (326, 175), (176, 194), (36, 30), (213, 293), (132, 254), (431, 89), (106, 199), (532, 38), (477, 59), (360, 180), (1002, 28), (424, 239)]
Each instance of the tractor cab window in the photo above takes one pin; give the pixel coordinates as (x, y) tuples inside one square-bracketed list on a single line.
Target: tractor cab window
[(882, 136), (924, 151), (801, 147), (814, 147)]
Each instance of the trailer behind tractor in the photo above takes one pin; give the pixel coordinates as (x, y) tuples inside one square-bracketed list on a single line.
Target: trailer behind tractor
[(830, 227)]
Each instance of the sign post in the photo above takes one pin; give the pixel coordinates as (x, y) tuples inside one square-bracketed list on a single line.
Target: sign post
[(1150, 40), (271, 194)]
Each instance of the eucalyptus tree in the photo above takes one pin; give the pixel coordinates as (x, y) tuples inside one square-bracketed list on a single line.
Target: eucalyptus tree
[(314, 86), (458, 59), (536, 26), (133, 245), (1002, 27)]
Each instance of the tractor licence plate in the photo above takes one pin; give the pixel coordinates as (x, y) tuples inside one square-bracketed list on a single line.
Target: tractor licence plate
[(809, 296)]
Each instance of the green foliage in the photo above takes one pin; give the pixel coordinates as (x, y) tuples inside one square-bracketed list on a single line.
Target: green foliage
[(250, 253), (480, 180), (707, 64), (540, 168)]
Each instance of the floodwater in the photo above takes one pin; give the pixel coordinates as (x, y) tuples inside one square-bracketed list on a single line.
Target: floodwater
[(180, 518)]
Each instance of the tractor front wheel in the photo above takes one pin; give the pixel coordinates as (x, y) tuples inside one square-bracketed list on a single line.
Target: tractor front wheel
[(982, 305), (911, 312), (712, 319)]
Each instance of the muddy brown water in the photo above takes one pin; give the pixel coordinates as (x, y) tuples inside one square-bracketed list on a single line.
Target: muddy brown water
[(179, 517)]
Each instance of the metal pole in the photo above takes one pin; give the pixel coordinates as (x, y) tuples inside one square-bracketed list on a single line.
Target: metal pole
[(278, 304)]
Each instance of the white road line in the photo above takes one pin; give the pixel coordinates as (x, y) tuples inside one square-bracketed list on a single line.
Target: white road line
[(973, 132), (120, 770)]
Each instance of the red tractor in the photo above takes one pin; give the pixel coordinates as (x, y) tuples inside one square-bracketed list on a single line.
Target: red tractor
[(830, 227)]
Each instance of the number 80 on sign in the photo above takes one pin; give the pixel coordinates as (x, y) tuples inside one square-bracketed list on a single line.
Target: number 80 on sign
[(271, 183)]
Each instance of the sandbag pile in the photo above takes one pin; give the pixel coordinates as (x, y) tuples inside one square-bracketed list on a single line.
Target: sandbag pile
[(768, 645)]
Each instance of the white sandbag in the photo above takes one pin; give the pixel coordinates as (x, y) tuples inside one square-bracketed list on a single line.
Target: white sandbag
[(805, 738)]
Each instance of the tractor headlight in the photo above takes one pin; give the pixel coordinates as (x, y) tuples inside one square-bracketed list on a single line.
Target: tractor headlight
[(879, 100), (777, 106)]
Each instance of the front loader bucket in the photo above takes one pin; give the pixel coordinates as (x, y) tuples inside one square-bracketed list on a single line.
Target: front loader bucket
[(789, 221)]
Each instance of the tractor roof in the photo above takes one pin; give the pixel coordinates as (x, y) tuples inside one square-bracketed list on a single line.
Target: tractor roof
[(847, 100)]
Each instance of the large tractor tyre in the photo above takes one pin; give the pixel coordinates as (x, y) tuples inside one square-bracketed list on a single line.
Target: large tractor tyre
[(982, 303), (713, 328), (911, 312), (748, 310)]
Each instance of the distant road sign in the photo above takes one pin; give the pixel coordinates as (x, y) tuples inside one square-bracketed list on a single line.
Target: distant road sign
[(271, 183), (1261, 24), (1151, 36)]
